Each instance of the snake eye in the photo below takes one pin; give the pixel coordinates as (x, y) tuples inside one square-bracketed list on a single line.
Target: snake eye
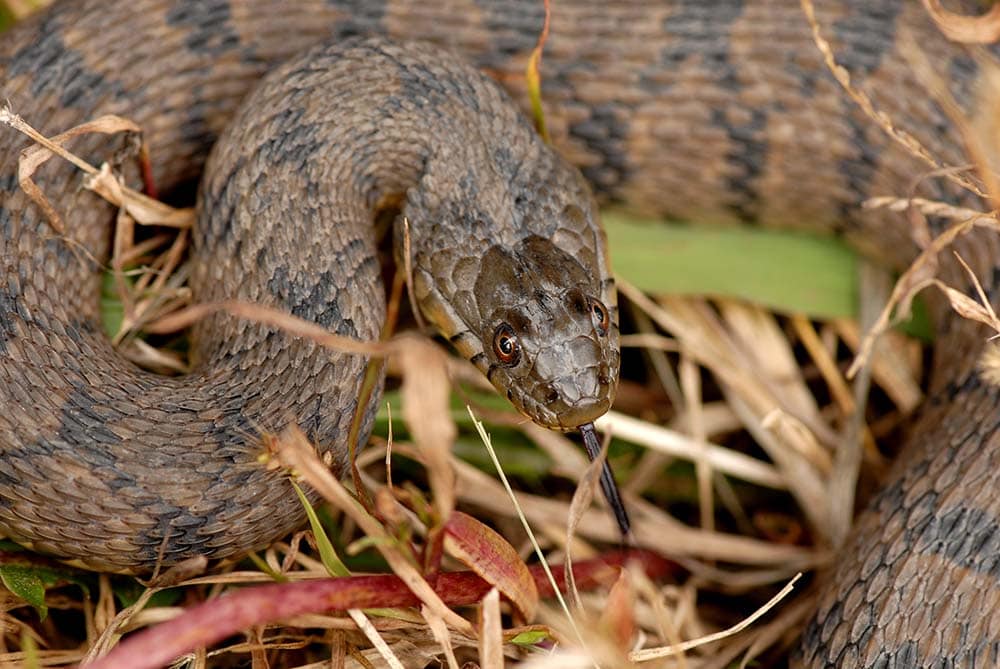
[(602, 319), (506, 346)]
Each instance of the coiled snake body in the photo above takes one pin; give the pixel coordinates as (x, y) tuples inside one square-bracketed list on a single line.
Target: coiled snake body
[(718, 110)]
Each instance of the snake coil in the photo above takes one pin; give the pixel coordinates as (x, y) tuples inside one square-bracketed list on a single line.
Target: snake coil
[(720, 111)]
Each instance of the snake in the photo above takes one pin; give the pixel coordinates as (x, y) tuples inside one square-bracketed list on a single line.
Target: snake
[(722, 112)]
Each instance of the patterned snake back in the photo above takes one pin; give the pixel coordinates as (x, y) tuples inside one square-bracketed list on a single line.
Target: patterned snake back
[(715, 111)]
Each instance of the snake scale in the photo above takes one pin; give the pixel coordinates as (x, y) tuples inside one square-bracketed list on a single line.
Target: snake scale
[(719, 111)]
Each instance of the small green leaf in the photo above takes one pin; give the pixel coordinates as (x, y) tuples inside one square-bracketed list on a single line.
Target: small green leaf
[(366, 542), (530, 638), (128, 591), (783, 270), (327, 553), (406, 615), (30, 650), (112, 309), (261, 564), (11, 547), (534, 78), (28, 584), (6, 17), (787, 271)]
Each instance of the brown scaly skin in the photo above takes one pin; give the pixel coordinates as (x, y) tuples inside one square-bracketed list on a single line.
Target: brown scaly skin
[(717, 111)]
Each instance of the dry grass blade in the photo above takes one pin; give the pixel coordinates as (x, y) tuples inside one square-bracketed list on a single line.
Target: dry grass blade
[(381, 647), (133, 207), (761, 637), (690, 378), (487, 442), (160, 290), (491, 632), (114, 629), (441, 635), (843, 77), (924, 206), (978, 133), (671, 442), (296, 453), (143, 209), (580, 502), (825, 363), (425, 392), (648, 654), (789, 437), (653, 528), (981, 311), (896, 369), (918, 276), (276, 318)]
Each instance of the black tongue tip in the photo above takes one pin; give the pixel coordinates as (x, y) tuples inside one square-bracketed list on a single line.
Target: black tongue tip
[(608, 485)]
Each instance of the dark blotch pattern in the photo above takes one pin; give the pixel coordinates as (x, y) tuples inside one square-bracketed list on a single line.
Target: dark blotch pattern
[(697, 30), (513, 27), (220, 227), (604, 132), (867, 33), (362, 17), (206, 25), (748, 153), (969, 538), (84, 420), (314, 299), (55, 69), (8, 309), (858, 169)]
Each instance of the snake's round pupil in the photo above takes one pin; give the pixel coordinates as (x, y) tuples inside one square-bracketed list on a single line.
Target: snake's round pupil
[(505, 345), (602, 321)]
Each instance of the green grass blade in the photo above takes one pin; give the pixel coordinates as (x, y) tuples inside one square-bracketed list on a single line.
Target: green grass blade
[(327, 553), (785, 271)]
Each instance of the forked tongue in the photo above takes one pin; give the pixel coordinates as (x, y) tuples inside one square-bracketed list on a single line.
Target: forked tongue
[(608, 485)]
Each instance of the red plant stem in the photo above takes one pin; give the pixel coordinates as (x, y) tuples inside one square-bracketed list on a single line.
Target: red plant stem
[(146, 167), (217, 619)]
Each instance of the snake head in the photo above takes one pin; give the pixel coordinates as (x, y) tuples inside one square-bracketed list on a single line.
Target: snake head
[(549, 333)]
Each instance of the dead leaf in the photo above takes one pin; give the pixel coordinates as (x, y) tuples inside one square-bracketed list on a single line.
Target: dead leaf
[(618, 616), (495, 561), (425, 394)]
